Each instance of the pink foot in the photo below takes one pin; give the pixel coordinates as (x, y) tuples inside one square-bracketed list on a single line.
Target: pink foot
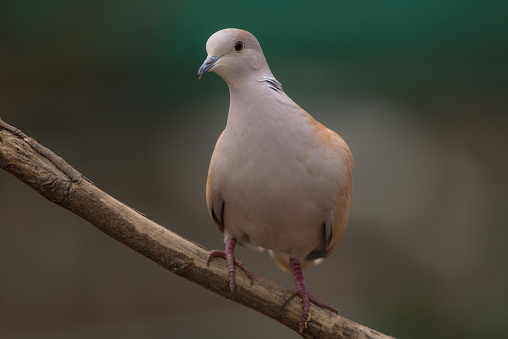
[(228, 254), (300, 288)]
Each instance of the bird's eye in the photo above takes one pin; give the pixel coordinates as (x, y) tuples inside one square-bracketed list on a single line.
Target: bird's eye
[(238, 46)]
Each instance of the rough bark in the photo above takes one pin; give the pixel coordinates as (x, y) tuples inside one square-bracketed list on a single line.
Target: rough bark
[(56, 180)]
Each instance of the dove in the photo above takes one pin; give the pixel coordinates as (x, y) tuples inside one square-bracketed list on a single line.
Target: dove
[(278, 179)]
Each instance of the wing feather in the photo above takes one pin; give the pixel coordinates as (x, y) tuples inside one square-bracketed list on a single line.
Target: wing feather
[(214, 200)]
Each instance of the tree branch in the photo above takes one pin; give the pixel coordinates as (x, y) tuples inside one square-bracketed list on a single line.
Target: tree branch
[(60, 183)]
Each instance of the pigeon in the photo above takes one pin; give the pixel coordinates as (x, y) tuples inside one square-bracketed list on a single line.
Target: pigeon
[(278, 179)]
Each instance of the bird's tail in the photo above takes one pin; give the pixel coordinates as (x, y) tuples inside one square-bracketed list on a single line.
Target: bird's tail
[(282, 260)]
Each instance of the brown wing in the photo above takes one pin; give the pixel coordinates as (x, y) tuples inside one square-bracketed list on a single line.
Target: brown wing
[(335, 225), (343, 206), (214, 201)]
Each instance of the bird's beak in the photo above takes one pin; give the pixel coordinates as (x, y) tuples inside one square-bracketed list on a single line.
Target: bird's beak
[(207, 65)]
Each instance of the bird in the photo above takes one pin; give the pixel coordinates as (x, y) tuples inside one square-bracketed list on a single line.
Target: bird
[(278, 179)]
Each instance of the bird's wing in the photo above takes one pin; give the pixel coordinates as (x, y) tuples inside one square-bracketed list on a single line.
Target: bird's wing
[(335, 223), (214, 200), (340, 216)]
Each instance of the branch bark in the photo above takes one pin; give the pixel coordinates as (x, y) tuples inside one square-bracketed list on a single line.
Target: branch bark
[(52, 177)]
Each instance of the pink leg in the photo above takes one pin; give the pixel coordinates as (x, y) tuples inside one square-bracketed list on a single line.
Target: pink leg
[(300, 288), (229, 255)]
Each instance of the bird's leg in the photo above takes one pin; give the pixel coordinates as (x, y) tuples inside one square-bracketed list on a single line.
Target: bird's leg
[(300, 288), (229, 255)]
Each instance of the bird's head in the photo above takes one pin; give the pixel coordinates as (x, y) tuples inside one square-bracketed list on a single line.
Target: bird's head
[(234, 54)]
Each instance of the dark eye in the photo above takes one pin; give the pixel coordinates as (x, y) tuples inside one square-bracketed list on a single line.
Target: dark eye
[(238, 46)]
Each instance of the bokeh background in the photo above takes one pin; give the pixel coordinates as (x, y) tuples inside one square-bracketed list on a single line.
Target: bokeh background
[(419, 90)]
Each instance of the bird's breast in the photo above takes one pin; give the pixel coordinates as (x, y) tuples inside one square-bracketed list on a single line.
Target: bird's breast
[(278, 185)]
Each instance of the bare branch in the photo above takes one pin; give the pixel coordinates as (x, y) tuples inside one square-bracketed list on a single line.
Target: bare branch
[(56, 180)]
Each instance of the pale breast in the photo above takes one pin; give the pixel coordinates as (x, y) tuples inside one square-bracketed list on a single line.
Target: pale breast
[(279, 182)]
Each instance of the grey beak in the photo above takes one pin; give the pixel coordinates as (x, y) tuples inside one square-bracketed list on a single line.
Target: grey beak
[(207, 65)]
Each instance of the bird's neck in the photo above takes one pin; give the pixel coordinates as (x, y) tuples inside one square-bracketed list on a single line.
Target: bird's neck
[(258, 105)]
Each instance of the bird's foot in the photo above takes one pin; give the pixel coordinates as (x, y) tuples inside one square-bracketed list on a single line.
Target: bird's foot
[(295, 291), (228, 254), (300, 289)]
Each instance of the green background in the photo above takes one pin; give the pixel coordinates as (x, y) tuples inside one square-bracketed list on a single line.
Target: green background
[(419, 90)]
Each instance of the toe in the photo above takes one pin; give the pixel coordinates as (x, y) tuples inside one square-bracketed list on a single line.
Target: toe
[(215, 253), (245, 269)]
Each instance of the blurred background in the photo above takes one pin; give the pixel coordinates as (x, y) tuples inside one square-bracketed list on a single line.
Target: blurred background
[(419, 90)]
